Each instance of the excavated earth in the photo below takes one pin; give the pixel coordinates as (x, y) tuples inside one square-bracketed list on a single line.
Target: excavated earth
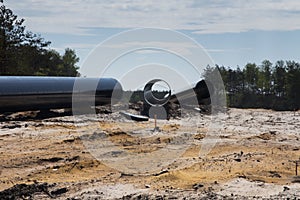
[(240, 154)]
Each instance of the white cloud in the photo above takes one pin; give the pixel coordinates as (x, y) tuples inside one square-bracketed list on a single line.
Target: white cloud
[(80, 46), (201, 16), (228, 50), (182, 48)]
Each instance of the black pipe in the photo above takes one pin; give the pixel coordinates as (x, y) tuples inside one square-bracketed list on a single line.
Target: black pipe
[(43, 93), (201, 92), (199, 95)]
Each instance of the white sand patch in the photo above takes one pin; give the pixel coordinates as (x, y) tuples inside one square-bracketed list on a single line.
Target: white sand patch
[(244, 187), (115, 191)]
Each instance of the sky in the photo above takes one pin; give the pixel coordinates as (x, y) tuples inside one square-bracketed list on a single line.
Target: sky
[(233, 32)]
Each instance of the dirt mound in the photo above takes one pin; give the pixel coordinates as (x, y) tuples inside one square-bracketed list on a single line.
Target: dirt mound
[(24, 191)]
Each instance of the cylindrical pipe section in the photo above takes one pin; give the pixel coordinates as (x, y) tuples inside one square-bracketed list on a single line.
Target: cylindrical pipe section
[(151, 98), (44, 93), (201, 91), (199, 95)]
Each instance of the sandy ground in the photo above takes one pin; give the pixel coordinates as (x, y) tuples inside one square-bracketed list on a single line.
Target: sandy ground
[(109, 157)]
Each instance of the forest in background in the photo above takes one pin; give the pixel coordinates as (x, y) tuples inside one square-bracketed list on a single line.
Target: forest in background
[(24, 53), (271, 86)]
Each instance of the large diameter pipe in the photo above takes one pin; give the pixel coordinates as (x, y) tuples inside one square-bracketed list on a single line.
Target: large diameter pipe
[(160, 107), (44, 93), (201, 92)]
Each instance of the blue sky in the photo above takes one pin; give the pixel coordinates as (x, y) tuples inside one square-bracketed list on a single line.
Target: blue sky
[(234, 32)]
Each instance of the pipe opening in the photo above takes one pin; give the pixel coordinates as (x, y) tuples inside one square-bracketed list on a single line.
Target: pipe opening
[(157, 92)]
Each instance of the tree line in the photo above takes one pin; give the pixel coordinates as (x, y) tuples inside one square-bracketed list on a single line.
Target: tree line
[(271, 86), (25, 53)]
